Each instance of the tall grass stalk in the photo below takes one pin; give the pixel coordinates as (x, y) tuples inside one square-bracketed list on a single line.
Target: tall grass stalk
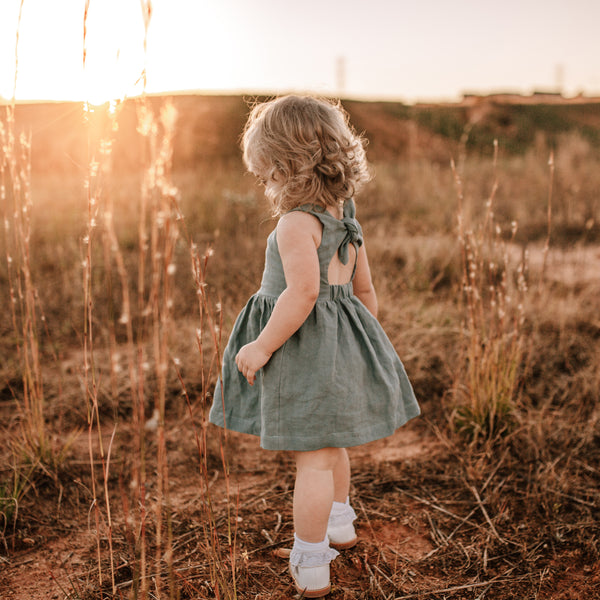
[(157, 237), (34, 445), (34, 452), (159, 231), (25, 311), (548, 217), (158, 193), (224, 577), (101, 126), (147, 344), (99, 208), (209, 344), (493, 290)]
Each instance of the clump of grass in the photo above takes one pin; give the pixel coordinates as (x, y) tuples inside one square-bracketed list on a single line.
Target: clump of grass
[(33, 445), (34, 452), (222, 569), (12, 491), (486, 391), (15, 173)]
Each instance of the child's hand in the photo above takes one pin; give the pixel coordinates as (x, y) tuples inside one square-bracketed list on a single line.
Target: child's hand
[(250, 359)]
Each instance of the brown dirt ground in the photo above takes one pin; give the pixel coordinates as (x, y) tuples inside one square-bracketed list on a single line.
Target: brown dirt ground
[(55, 557)]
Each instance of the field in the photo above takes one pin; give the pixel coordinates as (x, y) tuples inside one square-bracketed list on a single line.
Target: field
[(132, 237)]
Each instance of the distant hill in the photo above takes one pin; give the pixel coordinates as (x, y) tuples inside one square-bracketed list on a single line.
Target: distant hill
[(209, 128)]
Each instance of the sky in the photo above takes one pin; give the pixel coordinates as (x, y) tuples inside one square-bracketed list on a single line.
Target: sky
[(407, 50)]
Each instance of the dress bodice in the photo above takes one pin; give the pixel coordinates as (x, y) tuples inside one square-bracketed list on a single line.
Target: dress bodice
[(337, 236)]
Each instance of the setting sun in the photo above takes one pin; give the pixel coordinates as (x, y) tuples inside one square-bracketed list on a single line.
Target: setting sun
[(51, 51), (187, 48), (114, 51)]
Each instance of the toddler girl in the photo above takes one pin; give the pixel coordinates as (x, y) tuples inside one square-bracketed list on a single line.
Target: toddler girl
[(307, 367)]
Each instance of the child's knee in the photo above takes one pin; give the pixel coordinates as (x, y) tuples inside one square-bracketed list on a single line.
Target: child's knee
[(324, 459)]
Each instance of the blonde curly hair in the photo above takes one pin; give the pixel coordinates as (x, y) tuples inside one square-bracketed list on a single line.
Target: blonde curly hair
[(305, 151)]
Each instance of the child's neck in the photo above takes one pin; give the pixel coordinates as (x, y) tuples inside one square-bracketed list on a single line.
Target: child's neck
[(337, 211)]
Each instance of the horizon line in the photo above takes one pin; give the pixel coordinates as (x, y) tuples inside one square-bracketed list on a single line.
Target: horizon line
[(464, 96)]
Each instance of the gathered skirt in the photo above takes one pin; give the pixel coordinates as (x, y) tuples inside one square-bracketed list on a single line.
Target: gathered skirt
[(336, 382)]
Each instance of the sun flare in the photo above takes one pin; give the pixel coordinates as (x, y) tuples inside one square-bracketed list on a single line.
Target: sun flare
[(112, 52)]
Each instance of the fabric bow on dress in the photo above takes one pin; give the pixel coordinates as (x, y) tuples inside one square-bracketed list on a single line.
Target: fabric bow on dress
[(353, 236)]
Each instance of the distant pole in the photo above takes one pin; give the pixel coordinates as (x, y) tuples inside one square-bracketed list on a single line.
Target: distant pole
[(559, 74), (340, 76)]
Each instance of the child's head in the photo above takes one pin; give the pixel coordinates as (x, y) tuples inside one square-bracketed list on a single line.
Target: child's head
[(304, 151)]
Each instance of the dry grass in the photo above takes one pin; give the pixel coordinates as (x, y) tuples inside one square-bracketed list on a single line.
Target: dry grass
[(485, 392), (139, 274)]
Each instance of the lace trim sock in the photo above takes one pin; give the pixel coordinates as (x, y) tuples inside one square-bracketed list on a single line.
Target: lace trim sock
[(306, 554), (341, 514)]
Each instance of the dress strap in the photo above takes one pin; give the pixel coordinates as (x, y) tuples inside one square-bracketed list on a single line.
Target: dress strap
[(348, 228), (315, 210)]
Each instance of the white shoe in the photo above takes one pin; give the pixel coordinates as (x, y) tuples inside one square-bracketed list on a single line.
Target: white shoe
[(342, 536), (311, 582), (340, 530)]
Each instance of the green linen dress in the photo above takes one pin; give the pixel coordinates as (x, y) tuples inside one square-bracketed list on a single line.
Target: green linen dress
[(336, 382)]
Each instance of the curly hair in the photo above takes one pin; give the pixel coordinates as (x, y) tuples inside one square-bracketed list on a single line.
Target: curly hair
[(305, 152)]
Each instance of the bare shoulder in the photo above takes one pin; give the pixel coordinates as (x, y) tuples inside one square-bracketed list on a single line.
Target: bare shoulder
[(298, 226)]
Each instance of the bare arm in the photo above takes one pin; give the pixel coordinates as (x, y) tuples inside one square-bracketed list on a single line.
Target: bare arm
[(298, 235), (362, 284)]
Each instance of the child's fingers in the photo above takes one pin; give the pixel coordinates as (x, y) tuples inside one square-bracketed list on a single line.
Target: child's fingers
[(240, 365), (248, 373)]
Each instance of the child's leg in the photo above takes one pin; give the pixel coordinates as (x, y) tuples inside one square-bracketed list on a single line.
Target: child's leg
[(340, 529), (341, 478), (313, 499), (317, 473)]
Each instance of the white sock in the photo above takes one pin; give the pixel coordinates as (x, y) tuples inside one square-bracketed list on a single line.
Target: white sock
[(339, 508), (341, 513), (308, 554), (311, 546)]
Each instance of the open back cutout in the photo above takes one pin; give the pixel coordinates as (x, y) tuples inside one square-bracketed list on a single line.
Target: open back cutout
[(339, 273)]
